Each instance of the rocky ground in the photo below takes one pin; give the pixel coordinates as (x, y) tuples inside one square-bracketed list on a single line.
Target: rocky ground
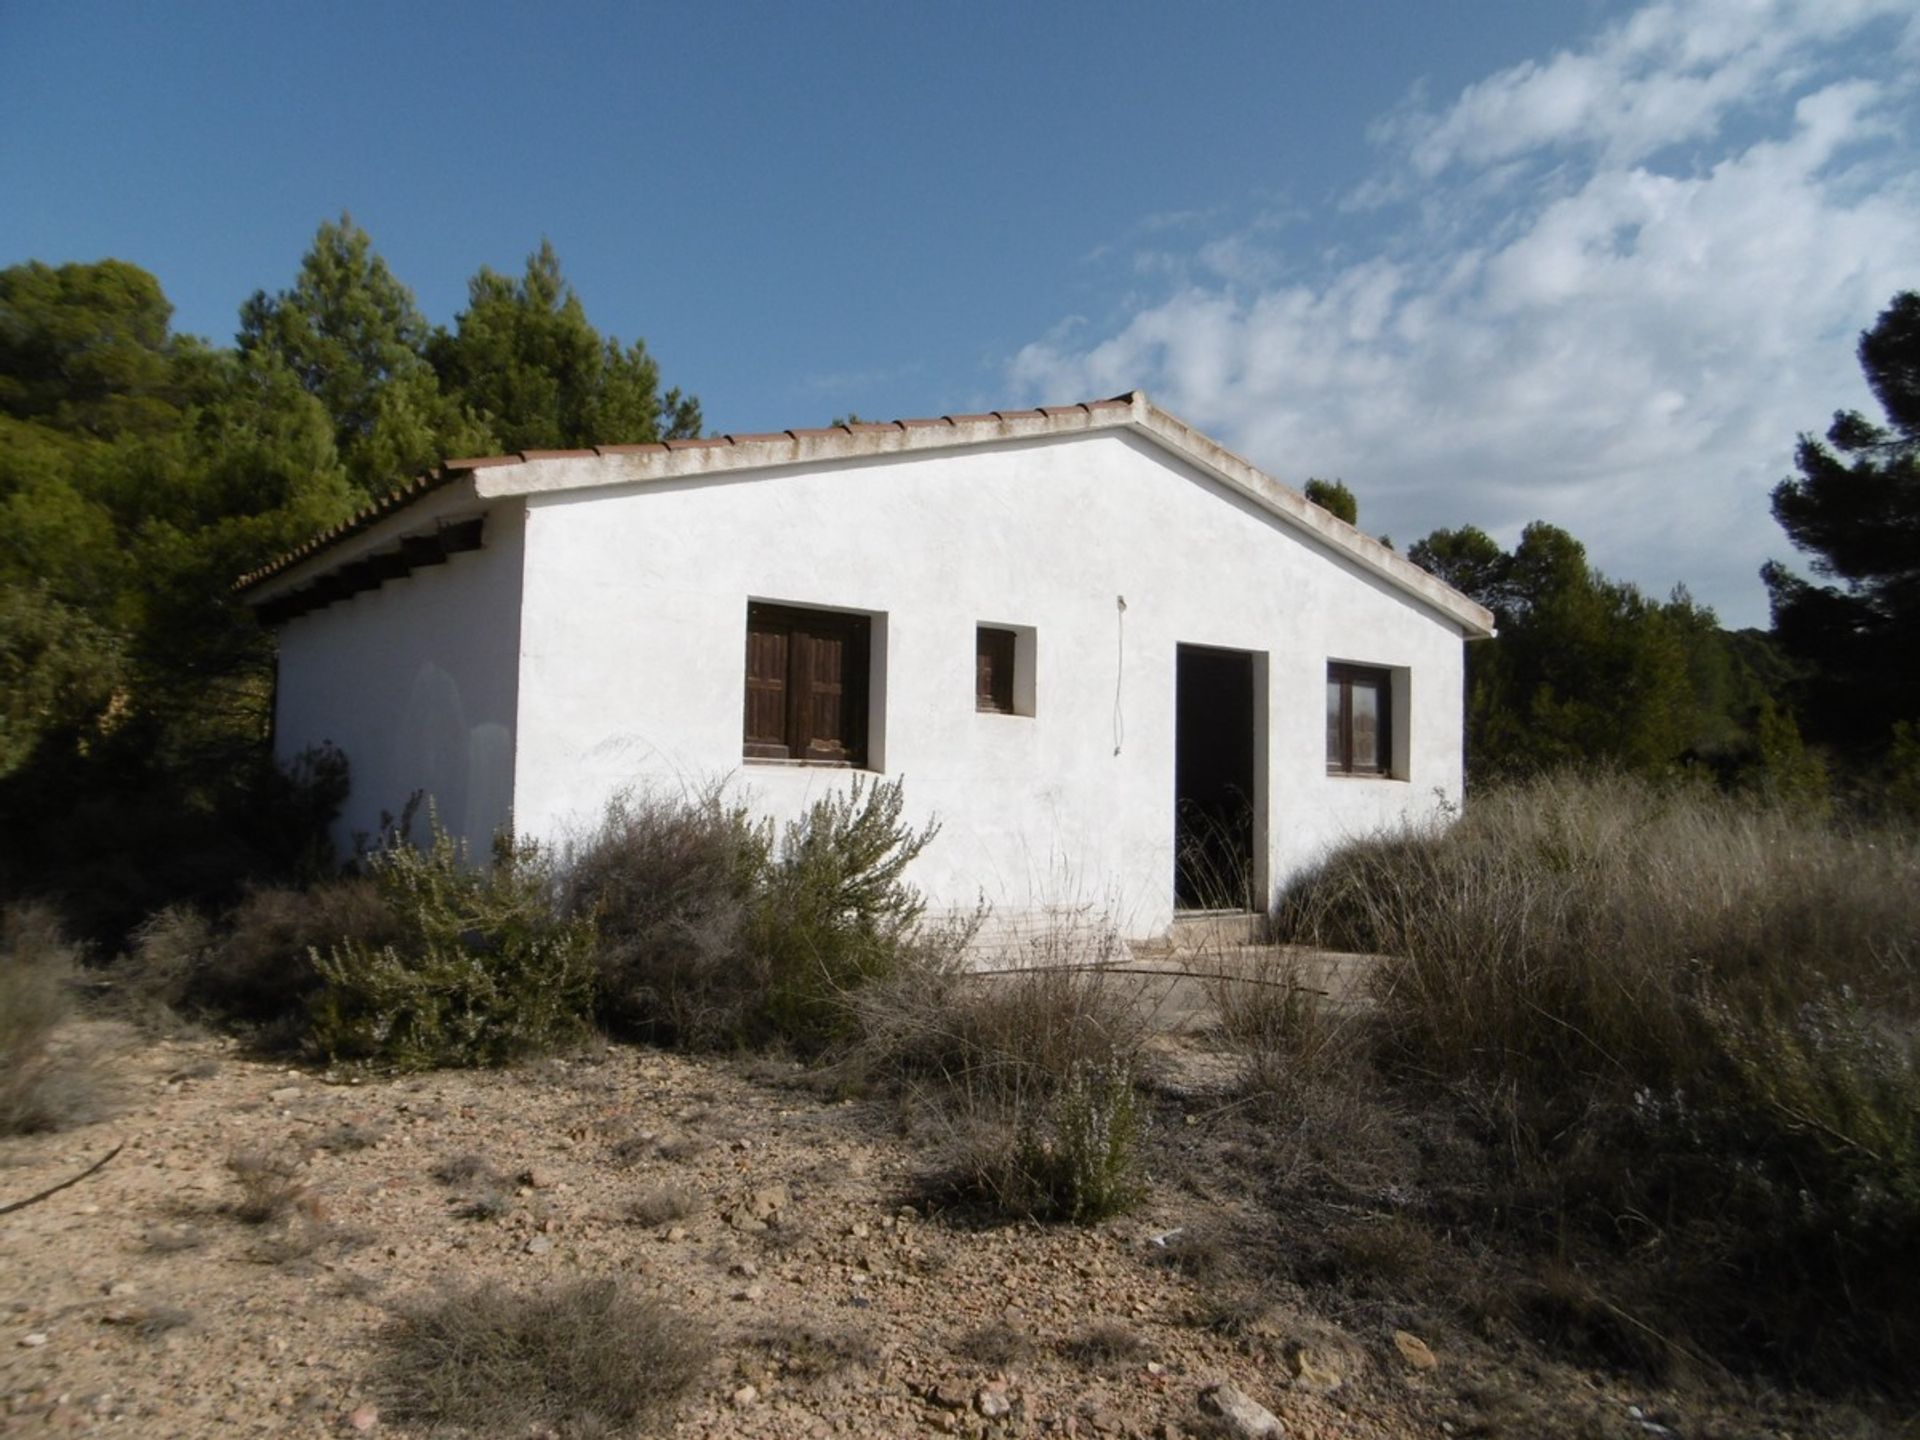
[(141, 1301)]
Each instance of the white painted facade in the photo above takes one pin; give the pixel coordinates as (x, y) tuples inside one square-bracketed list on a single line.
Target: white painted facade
[(595, 643)]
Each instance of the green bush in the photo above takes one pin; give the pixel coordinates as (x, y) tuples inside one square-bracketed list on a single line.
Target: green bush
[(835, 914), (1080, 1159), (487, 969), (714, 936)]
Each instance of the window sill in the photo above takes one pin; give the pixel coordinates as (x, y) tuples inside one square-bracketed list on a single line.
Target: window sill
[(1364, 775), (802, 764)]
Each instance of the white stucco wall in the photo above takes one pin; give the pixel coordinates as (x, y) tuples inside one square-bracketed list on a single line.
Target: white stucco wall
[(632, 640), (416, 682)]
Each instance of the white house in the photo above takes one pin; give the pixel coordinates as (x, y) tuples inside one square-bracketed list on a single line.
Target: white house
[(1107, 653)]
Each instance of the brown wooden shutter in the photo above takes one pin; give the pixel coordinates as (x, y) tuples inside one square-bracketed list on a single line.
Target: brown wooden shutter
[(806, 685), (768, 647), (993, 669)]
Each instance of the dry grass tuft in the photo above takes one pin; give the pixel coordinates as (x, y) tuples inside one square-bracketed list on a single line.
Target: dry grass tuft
[(577, 1357), (41, 1086), (1104, 1345), (807, 1354), (271, 1187)]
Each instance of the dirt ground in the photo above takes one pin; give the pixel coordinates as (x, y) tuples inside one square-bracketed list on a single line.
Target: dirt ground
[(138, 1302)]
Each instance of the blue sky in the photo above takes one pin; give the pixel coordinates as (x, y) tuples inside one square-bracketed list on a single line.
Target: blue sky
[(1594, 263)]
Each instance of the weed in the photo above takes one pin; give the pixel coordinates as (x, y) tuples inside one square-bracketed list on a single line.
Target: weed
[(581, 1355)]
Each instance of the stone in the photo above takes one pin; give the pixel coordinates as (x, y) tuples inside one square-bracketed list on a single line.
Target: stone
[(540, 1179), (363, 1418), (284, 1094), (1245, 1417), (1414, 1350), (676, 1232), (1314, 1372), (33, 1341), (767, 1202), (949, 1395), (539, 1245), (745, 1396), (992, 1401), (745, 1269)]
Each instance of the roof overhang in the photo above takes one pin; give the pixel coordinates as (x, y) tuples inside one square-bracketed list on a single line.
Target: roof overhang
[(548, 472)]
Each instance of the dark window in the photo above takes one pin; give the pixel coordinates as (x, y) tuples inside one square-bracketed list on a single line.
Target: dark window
[(806, 685), (1359, 721), (993, 670)]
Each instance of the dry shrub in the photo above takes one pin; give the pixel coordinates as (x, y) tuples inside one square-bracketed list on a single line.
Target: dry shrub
[(672, 882), (256, 966), (1683, 1028), (41, 1086), (1292, 1039), (262, 969), (270, 1186), (579, 1357), (1026, 1073)]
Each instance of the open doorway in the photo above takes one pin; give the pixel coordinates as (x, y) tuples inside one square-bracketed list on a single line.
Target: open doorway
[(1215, 786)]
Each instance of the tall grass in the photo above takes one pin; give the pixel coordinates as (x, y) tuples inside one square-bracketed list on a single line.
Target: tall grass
[(1689, 1018)]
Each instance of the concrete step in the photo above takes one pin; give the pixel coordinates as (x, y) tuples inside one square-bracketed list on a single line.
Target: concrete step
[(1196, 930)]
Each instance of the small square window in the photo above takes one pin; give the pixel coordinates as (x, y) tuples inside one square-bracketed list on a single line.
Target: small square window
[(993, 662), (1359, 720)]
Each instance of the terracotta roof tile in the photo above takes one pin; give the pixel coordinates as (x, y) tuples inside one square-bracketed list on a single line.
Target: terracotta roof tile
[(763, 437), (711, 443), (558, 454), (483, 462), (647, 447)]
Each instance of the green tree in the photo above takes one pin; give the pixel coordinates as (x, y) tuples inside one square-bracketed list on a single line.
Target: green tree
[(352, 336), (1334, 497), (1855, 508), (1584, 669), (525, 358), (85, 348)]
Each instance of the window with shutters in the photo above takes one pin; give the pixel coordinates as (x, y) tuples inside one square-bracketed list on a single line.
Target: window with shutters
[(807, 677), (1359, 720)]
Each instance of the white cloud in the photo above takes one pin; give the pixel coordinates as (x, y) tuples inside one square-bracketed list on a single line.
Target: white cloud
[(1564, 328)]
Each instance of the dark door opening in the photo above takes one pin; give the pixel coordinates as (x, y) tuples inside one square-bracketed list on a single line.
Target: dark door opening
[(1213, 780)]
